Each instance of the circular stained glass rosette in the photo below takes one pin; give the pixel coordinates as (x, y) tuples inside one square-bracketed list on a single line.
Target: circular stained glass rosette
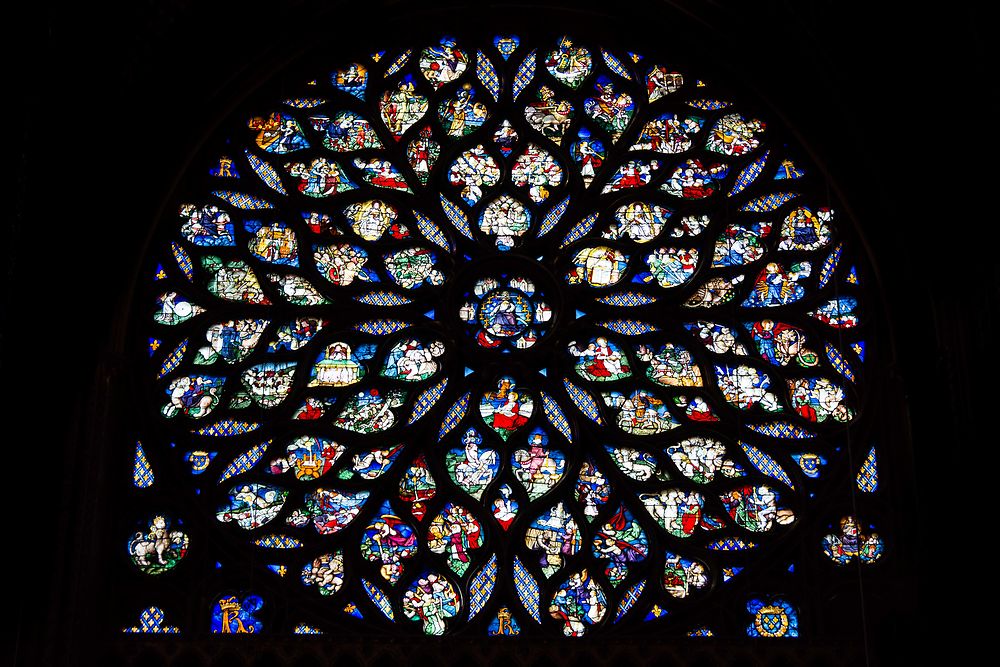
[(534, 330)]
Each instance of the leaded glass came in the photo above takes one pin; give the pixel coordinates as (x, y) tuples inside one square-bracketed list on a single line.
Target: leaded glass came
[(504, 338)]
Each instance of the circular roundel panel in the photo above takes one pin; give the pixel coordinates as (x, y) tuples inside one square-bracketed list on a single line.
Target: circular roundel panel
[(504, 337)]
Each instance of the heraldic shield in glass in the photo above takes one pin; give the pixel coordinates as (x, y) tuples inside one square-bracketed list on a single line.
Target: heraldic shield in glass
[(496, 338)]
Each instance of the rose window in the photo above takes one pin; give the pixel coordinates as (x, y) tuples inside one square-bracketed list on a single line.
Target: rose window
[(503, 337)]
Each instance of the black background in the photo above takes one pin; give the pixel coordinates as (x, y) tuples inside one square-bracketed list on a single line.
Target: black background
[(110, 101)]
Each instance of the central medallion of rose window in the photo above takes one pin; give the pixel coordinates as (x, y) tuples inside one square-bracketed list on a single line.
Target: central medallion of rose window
[(507, 310)]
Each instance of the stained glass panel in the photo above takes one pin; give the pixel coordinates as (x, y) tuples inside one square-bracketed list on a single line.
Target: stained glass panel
[(454, 292)]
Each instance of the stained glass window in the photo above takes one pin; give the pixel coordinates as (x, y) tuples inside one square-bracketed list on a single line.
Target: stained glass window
[(502, 337)]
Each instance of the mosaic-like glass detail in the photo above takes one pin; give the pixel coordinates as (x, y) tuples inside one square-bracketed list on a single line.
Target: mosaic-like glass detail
[(534, 334), (142, 472), (431, 601), (233, 615), (506, 311), (867, 479), (152, 620), (156, 548), (848, 543), (772, 618)]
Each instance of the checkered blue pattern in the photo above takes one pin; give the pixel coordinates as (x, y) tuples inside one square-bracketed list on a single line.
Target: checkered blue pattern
[(227, 428), (628, 327), (243, 201), (630, 598), (432, 232), (488, 75), (173, 359), (244, 461), (527, 589), (868, 475), (830, 265), (183, 260), (267, 173), (707, 104), (381, 327), (768, 202), (380, 599), (839, 363), (579, 230), (454, 415), (552, 218), (767, 465), (303, 629), (627, 299), (427, 399), (398, 63), (616, 65), (305, 102), (749, 174), (382, 298), (524, 74), (457, 218), (278, 542), (142, 472), (151, 621), (730, 544), (584, 401), (481, 586), (781, 429), (555, 416)]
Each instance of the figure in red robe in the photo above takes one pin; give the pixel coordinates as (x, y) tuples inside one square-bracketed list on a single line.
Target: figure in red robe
[(508, 416)]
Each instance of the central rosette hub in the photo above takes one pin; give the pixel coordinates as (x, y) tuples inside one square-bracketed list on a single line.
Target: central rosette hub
[(507, 306), (509, 313)]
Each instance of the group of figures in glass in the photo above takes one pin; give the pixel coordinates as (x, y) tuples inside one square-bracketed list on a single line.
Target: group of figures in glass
[(693, 310)]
